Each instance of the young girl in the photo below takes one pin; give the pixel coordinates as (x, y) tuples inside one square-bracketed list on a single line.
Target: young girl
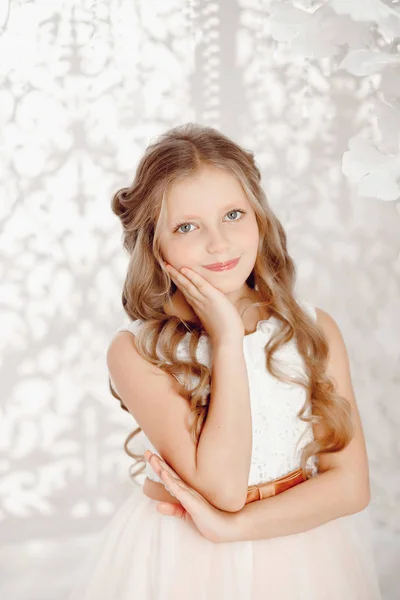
[(255, 456)]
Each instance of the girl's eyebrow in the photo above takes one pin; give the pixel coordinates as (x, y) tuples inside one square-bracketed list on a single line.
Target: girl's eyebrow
[(223, 209)]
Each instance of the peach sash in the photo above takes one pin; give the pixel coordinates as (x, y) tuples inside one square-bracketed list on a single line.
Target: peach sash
[(260, 491)]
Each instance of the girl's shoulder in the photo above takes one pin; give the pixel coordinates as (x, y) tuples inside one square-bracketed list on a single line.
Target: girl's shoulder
[(203, 351), (309, 307), (130, 325)]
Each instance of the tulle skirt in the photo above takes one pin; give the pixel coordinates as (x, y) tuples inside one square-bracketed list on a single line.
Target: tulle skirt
[(145, 555)]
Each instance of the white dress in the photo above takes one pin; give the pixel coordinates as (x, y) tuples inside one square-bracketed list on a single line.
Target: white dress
[(145, 555)]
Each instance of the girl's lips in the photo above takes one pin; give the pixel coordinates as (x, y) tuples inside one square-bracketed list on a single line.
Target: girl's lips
[(224, 266)]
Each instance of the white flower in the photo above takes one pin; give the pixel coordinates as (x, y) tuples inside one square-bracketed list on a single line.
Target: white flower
[(375, 173)]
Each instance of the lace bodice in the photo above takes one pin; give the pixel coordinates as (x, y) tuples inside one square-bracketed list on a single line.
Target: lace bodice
[(278, 434)]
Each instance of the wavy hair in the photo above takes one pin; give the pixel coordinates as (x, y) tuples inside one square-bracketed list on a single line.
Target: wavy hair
[(181, 152)]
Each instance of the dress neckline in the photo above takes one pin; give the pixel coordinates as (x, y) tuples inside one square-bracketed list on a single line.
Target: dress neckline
[(263, 325)]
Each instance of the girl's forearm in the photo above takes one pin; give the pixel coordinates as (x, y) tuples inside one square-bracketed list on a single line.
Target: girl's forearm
[(224, 448), (324, 497)]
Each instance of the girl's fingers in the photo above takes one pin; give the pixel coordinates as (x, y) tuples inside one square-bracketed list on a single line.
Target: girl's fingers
[(168, 476), (154, 462), (172, 510), (168, 479), (162, 467), (170, 473), (155, 466), (185, 282), (196, 279), (172, 485)]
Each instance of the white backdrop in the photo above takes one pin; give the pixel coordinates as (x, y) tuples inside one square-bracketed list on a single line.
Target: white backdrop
[(313, 89)]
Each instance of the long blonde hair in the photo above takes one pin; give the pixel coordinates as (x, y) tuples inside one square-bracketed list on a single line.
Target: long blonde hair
[(181, 152)]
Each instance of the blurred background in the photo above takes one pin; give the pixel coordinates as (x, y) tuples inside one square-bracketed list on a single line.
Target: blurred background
[(312, 88)]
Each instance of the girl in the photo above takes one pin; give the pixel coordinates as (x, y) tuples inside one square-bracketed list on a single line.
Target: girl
[(243, 394)]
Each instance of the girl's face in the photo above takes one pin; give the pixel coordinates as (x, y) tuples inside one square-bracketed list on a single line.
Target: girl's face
[(216, 230)]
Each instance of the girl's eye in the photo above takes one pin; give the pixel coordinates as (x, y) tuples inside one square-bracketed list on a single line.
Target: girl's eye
[(234, 210)]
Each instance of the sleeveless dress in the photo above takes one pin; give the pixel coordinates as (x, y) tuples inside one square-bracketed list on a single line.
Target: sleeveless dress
[(145, 555)]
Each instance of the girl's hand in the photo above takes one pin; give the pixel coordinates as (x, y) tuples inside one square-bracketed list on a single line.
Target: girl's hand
[(218, 315), (213, 524)]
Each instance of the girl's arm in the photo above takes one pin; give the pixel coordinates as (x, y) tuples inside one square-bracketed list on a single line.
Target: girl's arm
[(340, 488), (224, 461), (342, 484), (327, 496)]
